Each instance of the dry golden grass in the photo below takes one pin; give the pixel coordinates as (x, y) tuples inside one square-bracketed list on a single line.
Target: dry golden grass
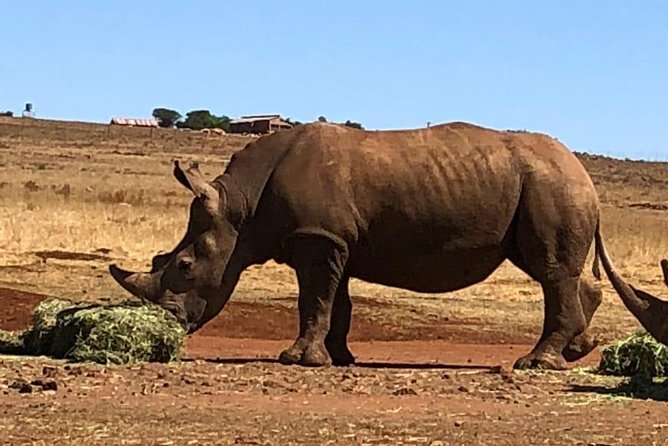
[(81, 188)]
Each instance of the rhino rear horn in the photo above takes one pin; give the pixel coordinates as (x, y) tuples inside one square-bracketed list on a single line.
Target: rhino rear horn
[(194, 180)]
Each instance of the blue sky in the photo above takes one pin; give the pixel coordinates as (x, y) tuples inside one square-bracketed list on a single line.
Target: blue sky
[(593, 74)]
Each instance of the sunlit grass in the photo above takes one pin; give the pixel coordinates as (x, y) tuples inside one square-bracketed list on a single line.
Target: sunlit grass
[(119, 197)]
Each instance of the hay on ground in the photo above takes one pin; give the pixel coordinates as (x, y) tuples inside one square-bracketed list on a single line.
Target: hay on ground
[(639, 354), (45, 318), (117, 334), (11, 343)]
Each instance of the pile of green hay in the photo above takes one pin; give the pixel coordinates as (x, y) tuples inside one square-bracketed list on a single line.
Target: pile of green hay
[(116, 334), (11, 343), (638, 355)]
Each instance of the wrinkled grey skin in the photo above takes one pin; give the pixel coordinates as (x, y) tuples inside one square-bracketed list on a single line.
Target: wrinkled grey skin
[(430, 210)]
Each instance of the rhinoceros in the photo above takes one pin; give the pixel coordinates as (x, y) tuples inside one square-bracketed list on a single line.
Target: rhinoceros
[(430, 210)]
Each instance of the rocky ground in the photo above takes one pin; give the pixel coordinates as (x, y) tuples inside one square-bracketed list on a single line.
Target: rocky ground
[(261, 402), (231, 391)]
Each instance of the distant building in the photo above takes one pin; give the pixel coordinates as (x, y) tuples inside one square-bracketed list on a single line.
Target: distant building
[(134, 122), (259, 124)]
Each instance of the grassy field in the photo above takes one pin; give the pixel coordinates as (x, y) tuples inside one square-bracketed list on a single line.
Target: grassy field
[(75, 196)]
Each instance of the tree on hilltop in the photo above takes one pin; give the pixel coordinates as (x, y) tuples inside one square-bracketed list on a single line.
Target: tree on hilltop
[(355, 125), (203, 119), (166, 118), (295, 123), (348, 123)]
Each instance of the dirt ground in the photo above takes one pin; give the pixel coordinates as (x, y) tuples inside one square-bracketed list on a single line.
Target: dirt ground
[(230, 390), (432, 369)]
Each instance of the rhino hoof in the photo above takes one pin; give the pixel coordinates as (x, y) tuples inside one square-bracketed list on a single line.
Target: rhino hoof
[(580, 347), (315, 357), (343, 361), (341, 356), (309, 356), (540, 362), (289, 357)]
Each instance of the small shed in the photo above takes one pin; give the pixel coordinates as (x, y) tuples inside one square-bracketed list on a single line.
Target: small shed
[(259, 124), (133, 122)]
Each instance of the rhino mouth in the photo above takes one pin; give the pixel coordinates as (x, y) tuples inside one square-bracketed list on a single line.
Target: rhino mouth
[(148, 287), (177, 311)]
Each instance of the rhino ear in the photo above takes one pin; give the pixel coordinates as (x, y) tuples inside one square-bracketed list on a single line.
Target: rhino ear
[(193, 179)]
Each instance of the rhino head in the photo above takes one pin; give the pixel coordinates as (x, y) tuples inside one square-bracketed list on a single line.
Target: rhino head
[(195, 280)]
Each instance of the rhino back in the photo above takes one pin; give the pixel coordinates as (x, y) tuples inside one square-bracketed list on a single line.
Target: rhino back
[(411, 203)]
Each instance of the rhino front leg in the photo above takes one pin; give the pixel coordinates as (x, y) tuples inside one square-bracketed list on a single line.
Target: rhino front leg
[(336, 340), (319, 264)]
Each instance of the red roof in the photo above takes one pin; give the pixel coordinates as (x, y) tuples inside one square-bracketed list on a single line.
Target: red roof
[(135, 122)]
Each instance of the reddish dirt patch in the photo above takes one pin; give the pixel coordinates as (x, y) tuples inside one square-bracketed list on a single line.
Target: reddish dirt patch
[(257, 320), (252, 331), (267, 321), (380, 354), (69, 255), (16, 308)]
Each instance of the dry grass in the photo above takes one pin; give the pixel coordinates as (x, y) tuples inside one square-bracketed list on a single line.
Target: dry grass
[(79, 189)]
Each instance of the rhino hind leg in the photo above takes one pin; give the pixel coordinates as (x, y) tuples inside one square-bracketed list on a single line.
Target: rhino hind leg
[(582, 344), (551, 239), (319, 263), (564, 320), (336, 340)]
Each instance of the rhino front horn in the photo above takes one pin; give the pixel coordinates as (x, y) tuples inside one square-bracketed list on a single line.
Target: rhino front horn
[(141, 285)]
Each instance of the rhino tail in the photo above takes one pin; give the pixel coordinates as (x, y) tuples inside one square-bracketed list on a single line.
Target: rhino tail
[(598, 246), (651, 312)]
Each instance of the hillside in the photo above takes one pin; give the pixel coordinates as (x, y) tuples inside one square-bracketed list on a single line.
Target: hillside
[(39, 133), (76, 196)]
